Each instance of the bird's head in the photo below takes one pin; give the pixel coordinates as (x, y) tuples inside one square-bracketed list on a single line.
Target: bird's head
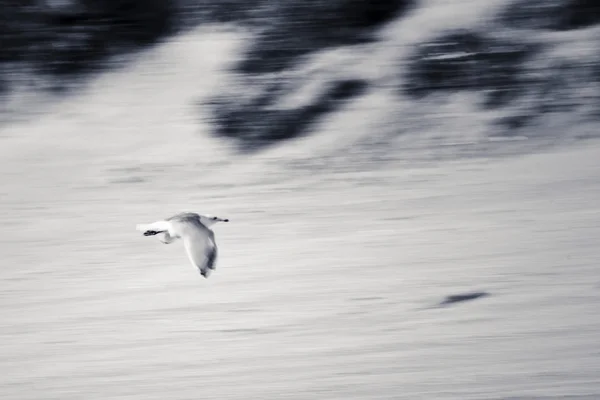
[(209, 220)]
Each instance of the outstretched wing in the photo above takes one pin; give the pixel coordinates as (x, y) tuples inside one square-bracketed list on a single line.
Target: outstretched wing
[(200, 245), (160, 229), (158, 226)]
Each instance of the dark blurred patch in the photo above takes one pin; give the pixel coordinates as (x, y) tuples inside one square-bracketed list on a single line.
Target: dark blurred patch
[(256, 121), (458, 298), (552, 14), (468, 60), (137, 22), (564, 83), (17, 28), (291, 29), (69, 39), (561, 86), (192, 12), (513, 123)]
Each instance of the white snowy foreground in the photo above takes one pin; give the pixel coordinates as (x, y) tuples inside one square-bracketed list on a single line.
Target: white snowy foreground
[(324, 289)]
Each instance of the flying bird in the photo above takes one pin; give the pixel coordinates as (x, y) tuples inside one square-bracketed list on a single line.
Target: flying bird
[(198, 238)]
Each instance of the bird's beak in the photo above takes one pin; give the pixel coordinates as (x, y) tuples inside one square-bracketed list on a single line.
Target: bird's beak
[(223, 220)]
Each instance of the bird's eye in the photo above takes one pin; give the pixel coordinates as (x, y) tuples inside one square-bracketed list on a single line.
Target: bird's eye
[(214, 218)]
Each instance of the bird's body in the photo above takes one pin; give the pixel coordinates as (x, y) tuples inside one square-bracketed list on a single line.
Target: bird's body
[(193, 229)]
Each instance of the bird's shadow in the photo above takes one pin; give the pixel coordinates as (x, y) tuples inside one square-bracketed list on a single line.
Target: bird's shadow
[(457, 298)]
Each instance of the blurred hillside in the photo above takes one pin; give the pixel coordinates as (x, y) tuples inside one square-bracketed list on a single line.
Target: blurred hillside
[(528, 61), (522, 62), (65, 37)]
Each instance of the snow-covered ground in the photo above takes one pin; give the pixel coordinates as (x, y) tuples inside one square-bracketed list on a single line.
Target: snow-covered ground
[(328, 276)]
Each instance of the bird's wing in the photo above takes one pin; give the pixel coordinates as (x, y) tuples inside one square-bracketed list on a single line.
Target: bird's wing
[(160, 229), (200, 245), (158, 226)]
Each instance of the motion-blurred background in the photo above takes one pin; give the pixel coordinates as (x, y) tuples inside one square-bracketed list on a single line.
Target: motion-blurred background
[(413, 188)]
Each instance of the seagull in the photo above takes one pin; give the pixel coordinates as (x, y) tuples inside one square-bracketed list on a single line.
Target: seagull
[(198, 239)]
